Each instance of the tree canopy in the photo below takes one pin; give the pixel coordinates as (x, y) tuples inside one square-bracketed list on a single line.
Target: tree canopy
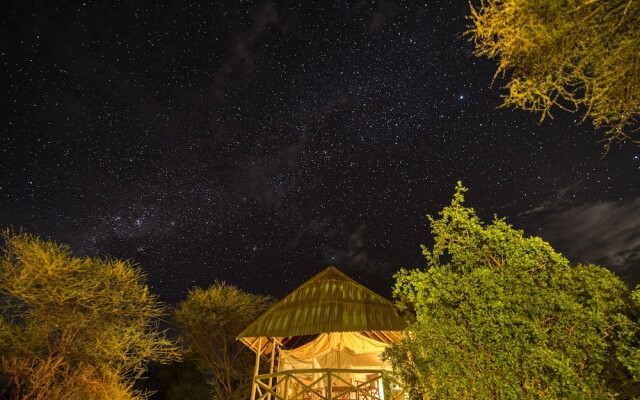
[(74, 328), (498, 315), (210, 319), (578, 55)]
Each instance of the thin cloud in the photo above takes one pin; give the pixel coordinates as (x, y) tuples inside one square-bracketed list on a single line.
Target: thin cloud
[(343, 247), (267, 180), (242, 58), (357, 255), (563, 199), (605, 233)]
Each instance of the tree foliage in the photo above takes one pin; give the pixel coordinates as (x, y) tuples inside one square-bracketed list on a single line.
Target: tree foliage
[(175, 381), (502, 316), (571, 54), (210, 320), (74, 328), (628, 338)]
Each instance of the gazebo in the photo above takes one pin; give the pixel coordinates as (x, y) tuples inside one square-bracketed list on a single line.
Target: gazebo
[(324, 341)]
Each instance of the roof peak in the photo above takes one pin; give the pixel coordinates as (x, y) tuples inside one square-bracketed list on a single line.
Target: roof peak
[(330, 301)]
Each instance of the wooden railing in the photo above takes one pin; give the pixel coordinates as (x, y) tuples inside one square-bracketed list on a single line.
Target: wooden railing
[(326, 384)]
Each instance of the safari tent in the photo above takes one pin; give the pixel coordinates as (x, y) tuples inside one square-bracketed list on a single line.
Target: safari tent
[(324, 341)]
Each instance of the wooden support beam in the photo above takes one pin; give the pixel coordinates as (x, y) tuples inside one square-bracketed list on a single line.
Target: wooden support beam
[(271, 364), (256, 370)]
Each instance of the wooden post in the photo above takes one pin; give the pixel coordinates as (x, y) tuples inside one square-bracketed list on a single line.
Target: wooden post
[(273, 358), (286, 386), (254, 384)]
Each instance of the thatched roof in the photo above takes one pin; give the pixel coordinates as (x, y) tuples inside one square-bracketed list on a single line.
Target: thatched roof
[(328, 302)]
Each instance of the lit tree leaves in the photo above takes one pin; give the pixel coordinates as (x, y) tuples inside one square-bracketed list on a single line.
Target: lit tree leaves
[(210, 319), (75, 328), (577, 55)]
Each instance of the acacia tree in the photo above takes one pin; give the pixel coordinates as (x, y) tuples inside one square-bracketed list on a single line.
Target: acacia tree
[(502, 316), (74, 328), (210, 320), (578, 55)]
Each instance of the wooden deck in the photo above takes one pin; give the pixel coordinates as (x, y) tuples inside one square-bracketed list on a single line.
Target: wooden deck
[(326, 384)]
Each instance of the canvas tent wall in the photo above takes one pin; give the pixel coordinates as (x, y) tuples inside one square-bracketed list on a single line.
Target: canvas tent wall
[(342, 350)]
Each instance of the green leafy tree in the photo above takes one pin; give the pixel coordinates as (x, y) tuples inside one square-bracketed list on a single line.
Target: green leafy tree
[(502, 316), (577, 55), (210, 320), (74, 328)]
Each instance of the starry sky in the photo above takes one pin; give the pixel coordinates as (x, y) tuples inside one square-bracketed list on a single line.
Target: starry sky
[(258, 142)]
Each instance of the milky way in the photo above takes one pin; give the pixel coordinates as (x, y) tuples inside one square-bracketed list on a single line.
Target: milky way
[(257, 142)]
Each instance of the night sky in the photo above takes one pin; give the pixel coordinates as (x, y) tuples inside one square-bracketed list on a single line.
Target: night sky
[(258, 142)]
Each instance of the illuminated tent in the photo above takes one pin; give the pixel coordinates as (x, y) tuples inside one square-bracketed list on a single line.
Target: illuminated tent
[(329, 322), (350, 350)]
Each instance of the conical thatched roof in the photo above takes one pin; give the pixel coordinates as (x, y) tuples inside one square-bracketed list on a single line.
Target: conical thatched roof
[(328, 302)]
